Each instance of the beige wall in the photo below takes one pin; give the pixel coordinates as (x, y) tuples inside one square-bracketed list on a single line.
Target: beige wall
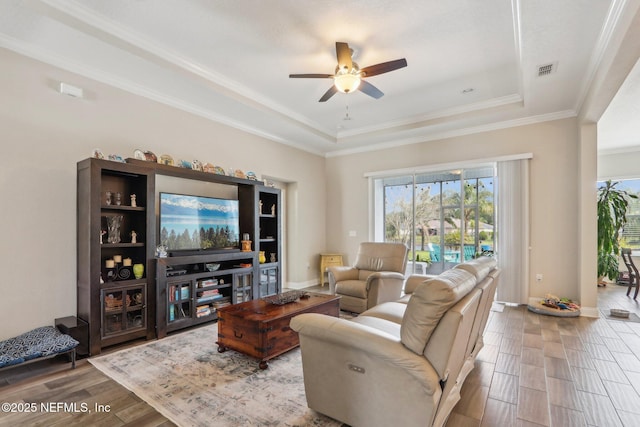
[(554, 183), (44, 134)]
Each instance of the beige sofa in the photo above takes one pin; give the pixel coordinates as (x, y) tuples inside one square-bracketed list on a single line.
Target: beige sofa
[(400, 363)]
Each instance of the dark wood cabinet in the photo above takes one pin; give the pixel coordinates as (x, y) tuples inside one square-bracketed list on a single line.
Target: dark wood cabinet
[(110, 299), (264, 225), (191, 289), (117, 231)]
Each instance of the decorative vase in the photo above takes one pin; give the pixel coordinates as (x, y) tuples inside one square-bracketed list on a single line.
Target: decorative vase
[(262, 257), (138, 270), (113, 228)]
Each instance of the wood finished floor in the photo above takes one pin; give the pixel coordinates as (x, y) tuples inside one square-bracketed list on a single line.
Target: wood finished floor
[(534, 370)]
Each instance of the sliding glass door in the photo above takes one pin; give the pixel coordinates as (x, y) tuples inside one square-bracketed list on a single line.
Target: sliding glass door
[(443, 217)]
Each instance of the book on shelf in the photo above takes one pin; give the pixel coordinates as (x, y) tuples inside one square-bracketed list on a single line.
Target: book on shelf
[(208, 282), (204, 310)]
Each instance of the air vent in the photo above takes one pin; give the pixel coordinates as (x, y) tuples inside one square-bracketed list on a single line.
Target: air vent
[(545, 70)]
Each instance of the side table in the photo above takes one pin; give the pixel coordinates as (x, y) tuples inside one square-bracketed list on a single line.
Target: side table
[(78, 329), (329, 260)]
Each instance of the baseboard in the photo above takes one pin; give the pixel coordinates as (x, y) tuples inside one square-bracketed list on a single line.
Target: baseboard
[(302, 285), (589, 312)]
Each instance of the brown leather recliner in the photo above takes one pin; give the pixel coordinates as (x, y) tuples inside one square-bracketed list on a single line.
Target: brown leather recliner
[(376, 277)]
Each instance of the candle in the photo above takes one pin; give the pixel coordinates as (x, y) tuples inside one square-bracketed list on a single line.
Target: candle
[(110, 263), (117, 258), (126, 262)]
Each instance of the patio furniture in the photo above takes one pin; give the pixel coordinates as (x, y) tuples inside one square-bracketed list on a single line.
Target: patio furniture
[(634, 277)]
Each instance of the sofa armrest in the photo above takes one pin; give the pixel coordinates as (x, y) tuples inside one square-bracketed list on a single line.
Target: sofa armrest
[(384, 286), (368, 342), (338, 274), (414, 280)]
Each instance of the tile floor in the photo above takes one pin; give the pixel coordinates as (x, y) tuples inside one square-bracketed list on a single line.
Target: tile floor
[(551, 371), (534, 370)]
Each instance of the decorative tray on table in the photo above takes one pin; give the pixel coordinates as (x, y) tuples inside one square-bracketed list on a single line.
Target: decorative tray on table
[(286, 297)]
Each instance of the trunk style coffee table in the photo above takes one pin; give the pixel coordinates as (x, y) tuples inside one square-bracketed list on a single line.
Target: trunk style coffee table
[(260, 328)]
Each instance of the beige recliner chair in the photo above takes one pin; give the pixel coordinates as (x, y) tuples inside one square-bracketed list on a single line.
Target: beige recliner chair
[(376, 277)]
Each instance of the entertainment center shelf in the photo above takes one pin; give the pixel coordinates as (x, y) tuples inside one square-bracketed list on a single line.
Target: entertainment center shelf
[(190, 294), (118, 228)]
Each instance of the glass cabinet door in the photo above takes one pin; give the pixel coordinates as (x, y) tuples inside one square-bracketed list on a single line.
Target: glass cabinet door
[(243, 286), (268, 281), (123, 309), (180, 299)]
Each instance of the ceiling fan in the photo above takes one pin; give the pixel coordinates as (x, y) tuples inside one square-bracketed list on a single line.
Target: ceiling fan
[(348, 77)]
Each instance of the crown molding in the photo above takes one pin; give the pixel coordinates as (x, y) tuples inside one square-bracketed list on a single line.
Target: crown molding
[(457, 132), (47, 57)]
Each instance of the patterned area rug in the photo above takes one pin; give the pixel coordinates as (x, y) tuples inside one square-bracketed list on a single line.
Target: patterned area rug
[(185, 379)]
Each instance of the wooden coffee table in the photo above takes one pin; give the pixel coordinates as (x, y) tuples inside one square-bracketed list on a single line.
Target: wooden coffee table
[(261, 329)]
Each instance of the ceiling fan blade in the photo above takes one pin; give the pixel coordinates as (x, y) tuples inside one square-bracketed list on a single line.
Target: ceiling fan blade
[(310, 76), (343, 53), (328, 94), (384, 67), (370, 89)]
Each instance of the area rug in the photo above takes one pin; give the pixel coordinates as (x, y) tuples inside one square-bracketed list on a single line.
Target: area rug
[(632, 317), (185, 379)]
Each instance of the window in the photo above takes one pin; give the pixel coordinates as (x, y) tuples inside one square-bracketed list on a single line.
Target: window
[(630, 236), (444, 217)]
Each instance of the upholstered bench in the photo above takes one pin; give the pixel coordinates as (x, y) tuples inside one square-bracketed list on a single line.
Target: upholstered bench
[(38, 344)]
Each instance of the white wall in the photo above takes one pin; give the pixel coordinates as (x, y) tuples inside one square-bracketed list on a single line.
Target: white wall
[(555, 185), (615, 166), (44, 134)]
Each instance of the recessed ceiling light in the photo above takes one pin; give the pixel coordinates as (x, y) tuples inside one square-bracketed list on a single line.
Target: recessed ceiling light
[(467, 90)]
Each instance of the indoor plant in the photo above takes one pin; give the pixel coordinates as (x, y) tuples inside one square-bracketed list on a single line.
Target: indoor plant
[(612, 216)]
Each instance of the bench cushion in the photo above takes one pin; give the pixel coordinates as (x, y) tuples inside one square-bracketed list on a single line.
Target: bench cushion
[(39, 342)]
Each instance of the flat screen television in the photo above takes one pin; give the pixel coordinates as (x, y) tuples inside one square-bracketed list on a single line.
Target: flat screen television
[(189, 223)]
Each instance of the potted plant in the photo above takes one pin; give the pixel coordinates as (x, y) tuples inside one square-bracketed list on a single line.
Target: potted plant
[(612, 216)]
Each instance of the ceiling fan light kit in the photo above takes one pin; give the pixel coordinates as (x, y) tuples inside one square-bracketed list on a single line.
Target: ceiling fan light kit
[(348, 77), (347, 80)]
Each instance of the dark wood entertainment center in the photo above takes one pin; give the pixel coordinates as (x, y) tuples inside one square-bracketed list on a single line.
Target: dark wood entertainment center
[(174, 292)]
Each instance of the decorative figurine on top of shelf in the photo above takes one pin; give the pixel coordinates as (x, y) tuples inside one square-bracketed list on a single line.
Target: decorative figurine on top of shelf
[(102, 233), (118, 198), (134, 236), (113, 228), (107, 198), (133, 201), (273, 210)]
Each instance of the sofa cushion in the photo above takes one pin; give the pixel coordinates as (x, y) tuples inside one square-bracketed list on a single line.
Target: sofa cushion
[(428, 304), (353, 288), (387, 326), (375, 256), (364, 274), (479, 267), (391, 311)]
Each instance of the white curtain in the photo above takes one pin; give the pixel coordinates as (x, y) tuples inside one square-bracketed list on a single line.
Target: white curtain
[(513, 231)]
